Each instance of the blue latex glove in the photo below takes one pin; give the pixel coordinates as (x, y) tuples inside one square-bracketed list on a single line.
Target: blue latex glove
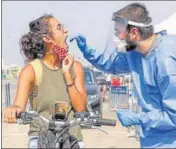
[(128, 118), (81, 41)]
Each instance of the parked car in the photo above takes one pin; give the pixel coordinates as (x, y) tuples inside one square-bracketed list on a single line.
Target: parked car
[(100, 78), (93, 92), (98, 73)]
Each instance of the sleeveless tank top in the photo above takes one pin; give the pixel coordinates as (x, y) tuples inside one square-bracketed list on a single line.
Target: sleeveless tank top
[(52, 89)]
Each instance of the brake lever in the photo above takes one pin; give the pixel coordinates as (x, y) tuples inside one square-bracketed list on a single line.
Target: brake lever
[(95, 127), (87, 126), (24, 122), (26, 117)]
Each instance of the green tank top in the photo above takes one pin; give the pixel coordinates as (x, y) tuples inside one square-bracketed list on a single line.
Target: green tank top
[(52, 89)]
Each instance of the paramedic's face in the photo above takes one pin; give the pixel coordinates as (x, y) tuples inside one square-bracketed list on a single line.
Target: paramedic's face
[(120, 31)]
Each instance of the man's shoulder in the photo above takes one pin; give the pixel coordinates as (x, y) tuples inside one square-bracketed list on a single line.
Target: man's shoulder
[(27, 73), (77, 63), (166, 56), (167, 47), (169, 39), (77, 66), (27, 69)]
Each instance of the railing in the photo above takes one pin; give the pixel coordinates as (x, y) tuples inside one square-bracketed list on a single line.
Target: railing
[(9, 89), (121, 97)]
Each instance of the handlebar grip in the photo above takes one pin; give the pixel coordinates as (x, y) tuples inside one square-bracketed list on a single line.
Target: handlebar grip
[(24, 117), (19, 118), (20, 115), (105, 122)]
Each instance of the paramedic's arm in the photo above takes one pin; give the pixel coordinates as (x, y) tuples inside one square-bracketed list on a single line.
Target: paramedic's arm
[(110, 61), (77, 90), (164, 119), (25, 83)]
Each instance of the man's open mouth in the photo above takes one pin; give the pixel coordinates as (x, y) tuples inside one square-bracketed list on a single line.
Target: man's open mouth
[(66, 37), (66, 43)]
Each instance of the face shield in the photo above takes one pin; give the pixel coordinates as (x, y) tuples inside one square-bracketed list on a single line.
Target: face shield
[(117, 36)]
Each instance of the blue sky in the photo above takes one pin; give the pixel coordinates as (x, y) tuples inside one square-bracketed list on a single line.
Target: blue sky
[(91, 18)]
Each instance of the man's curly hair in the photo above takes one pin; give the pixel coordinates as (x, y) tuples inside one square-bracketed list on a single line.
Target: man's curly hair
[(32, 44)]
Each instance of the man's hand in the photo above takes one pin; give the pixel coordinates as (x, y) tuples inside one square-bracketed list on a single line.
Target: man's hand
[(128, 118), (67, 64), (9, 114), (81, 41)]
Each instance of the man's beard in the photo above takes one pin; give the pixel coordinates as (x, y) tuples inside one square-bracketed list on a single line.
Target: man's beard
[(130, 46)]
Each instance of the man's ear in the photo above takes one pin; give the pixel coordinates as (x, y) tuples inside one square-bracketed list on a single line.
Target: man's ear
[(135, 33), (47, 39)]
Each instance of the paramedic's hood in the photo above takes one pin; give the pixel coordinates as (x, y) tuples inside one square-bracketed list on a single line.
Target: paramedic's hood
[(169, 24)]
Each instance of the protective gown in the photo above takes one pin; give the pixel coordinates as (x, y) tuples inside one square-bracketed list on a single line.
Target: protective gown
[(154, 77)]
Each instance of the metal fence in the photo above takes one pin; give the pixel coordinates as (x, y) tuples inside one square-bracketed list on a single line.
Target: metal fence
[(9, 89), (118, 98), (122, 97), (8, 93), (133, 105)]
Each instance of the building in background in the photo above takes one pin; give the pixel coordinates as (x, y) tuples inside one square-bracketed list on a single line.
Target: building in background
[(10, 72)]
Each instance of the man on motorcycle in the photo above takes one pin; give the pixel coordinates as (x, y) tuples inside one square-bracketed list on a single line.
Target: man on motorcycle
[(62, 76)]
